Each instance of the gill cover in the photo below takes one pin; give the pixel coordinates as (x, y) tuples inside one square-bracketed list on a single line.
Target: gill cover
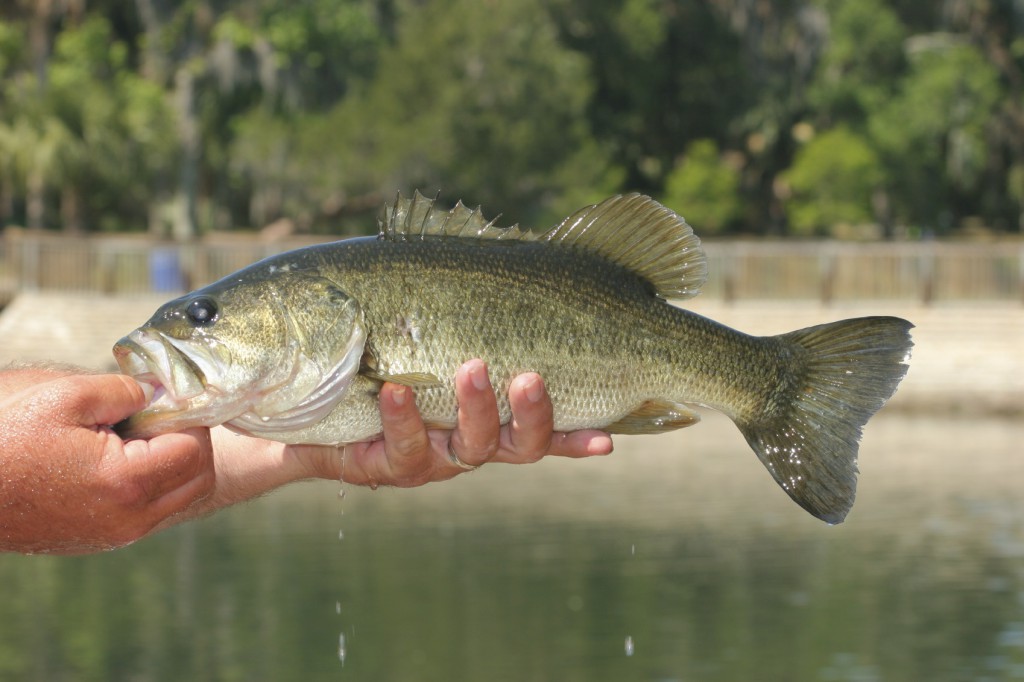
[(326, 336)]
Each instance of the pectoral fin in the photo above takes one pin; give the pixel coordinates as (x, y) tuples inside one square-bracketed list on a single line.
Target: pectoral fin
[(655, 416), (446, 426), (410, 379)]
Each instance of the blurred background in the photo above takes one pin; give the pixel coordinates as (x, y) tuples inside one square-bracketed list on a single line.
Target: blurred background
[(838, 157), (891, 118)]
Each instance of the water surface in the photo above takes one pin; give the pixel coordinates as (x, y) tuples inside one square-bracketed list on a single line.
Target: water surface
[(675, 559)]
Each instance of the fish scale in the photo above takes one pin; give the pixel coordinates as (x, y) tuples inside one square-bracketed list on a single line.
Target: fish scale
[(296, 347)]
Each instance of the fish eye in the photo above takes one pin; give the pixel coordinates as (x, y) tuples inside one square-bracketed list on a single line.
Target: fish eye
[(202, 311)]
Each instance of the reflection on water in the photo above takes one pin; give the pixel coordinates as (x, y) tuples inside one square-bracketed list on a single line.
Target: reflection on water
[(675, 559)]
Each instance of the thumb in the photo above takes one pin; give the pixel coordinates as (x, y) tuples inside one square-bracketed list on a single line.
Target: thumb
[(103, 399)]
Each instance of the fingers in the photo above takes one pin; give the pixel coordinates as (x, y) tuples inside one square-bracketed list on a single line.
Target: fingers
[(404, 457), (170, 472), (587, 443), (410, 455), (404, 432), (168, 463), (478, 432), (103, 399), (530, 435)]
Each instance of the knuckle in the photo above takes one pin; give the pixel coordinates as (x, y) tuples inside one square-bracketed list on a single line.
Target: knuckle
[(130, 494), (533, 456), (407, 450)]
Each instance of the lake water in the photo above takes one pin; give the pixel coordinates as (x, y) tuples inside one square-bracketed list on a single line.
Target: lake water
[(677, 558)]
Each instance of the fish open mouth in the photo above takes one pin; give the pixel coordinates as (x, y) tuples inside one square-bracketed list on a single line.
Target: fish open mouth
[(169, 377)]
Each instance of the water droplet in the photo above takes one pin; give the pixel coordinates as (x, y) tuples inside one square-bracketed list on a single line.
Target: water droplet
[(341, 648), (632, 550), (341, 535), (341, 493), (337, 607), (629, 646)]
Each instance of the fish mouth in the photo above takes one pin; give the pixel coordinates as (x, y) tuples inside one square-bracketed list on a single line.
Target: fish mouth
[(153, 360), (176, 385)]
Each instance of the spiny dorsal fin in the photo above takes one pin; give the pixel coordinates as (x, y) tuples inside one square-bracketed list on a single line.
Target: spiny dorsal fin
[(632, 230), (418, 217)]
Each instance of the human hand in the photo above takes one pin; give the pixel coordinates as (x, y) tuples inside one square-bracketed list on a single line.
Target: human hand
[(410, 455), (69, 483)]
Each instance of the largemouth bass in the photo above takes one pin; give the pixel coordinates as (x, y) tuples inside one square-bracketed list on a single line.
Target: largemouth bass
[(294, 348)]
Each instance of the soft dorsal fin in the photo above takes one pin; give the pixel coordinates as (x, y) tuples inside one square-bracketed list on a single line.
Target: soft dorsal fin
[(641, 235), (632, 230)]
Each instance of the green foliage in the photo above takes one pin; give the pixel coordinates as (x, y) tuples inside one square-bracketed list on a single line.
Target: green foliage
[(704, 188), (865, 40), (662, 75), (240, 113), (832, 181), (119, 131), (497, 119), (12, 46), (933, 133)]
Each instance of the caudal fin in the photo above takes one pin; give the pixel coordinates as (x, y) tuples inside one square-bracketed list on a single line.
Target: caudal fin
[(809, 440)]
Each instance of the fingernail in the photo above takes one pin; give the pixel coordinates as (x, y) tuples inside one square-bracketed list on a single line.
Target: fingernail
[(399, 394), (534, 390), (602, 445), (478, 375)]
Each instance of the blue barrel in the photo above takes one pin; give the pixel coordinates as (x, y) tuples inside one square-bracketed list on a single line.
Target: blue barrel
[(165, 273)]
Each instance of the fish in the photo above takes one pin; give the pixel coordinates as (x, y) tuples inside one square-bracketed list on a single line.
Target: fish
[(295, 347)]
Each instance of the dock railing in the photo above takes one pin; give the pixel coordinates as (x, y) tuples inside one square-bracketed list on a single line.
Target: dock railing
[(930, 272)]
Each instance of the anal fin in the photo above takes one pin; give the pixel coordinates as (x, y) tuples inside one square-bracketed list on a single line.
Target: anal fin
[(655, 416)]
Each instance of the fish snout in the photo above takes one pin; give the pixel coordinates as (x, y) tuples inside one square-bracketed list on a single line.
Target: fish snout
[(167, 375), (130, 356)]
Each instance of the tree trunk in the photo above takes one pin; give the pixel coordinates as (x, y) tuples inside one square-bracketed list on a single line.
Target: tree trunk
[(39, 40), (35, 200), (71, 209), (6, 197), (154, 60), (185, 221)]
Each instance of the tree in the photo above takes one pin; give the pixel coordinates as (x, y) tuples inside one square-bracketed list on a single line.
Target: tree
[(704, 188), (238, 112), (490, 108), (860, 65), (116, 133), (664, 74), (932, 134), (832, 182)]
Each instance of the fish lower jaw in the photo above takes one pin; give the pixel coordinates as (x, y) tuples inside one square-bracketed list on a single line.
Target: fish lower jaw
[(158, 398)]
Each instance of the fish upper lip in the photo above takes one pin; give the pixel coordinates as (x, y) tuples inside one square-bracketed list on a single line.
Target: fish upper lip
[(146, 357)]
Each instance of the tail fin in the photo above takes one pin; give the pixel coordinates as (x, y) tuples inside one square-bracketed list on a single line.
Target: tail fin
[(809, 441)]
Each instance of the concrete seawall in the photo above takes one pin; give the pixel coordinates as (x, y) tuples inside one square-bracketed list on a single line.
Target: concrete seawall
[(967, 359)]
